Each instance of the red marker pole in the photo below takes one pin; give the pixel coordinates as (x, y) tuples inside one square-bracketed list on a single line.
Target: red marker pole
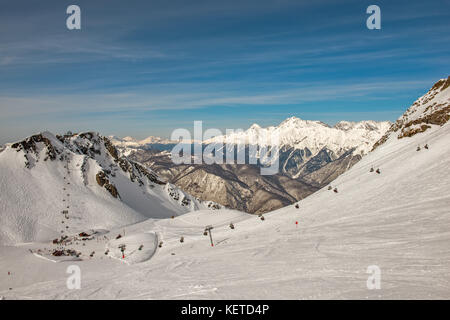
[(210, 236), (296, 224)]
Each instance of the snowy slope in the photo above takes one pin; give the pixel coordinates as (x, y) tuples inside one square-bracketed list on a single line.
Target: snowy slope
[(430, 110), (397, 220), (43, 175)]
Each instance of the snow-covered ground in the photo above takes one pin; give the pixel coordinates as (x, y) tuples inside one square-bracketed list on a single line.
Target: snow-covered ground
[(397, 220)]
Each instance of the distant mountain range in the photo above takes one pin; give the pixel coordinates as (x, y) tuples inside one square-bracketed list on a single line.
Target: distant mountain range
[(311, 155)]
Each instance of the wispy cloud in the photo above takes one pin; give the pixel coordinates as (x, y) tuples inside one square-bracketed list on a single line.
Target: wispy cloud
[(193, 97)]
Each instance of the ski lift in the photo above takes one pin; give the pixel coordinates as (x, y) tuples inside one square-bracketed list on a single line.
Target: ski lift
[(205, 233), (208, 230)]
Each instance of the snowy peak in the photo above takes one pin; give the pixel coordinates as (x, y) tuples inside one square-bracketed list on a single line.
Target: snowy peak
[(294, 122), (255, 127), (432, 110)]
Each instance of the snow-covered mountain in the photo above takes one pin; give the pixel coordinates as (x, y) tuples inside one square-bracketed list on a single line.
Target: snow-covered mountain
[(293, 133), (311, 155), (305, 146), (313, 135), (44, 175), (327, 246), (430, 110)]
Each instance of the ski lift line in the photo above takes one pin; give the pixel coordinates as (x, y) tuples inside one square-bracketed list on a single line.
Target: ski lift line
[(408, 145), (222, 223), (388, 156)]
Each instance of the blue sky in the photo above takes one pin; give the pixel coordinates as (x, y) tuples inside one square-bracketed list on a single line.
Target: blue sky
[(144, 68)]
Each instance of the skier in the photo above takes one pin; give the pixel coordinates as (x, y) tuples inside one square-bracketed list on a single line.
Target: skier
[(335, 190), (371, 169), (418, 148), (378, 171), (182, 239), (426, 146), (231, 226)]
